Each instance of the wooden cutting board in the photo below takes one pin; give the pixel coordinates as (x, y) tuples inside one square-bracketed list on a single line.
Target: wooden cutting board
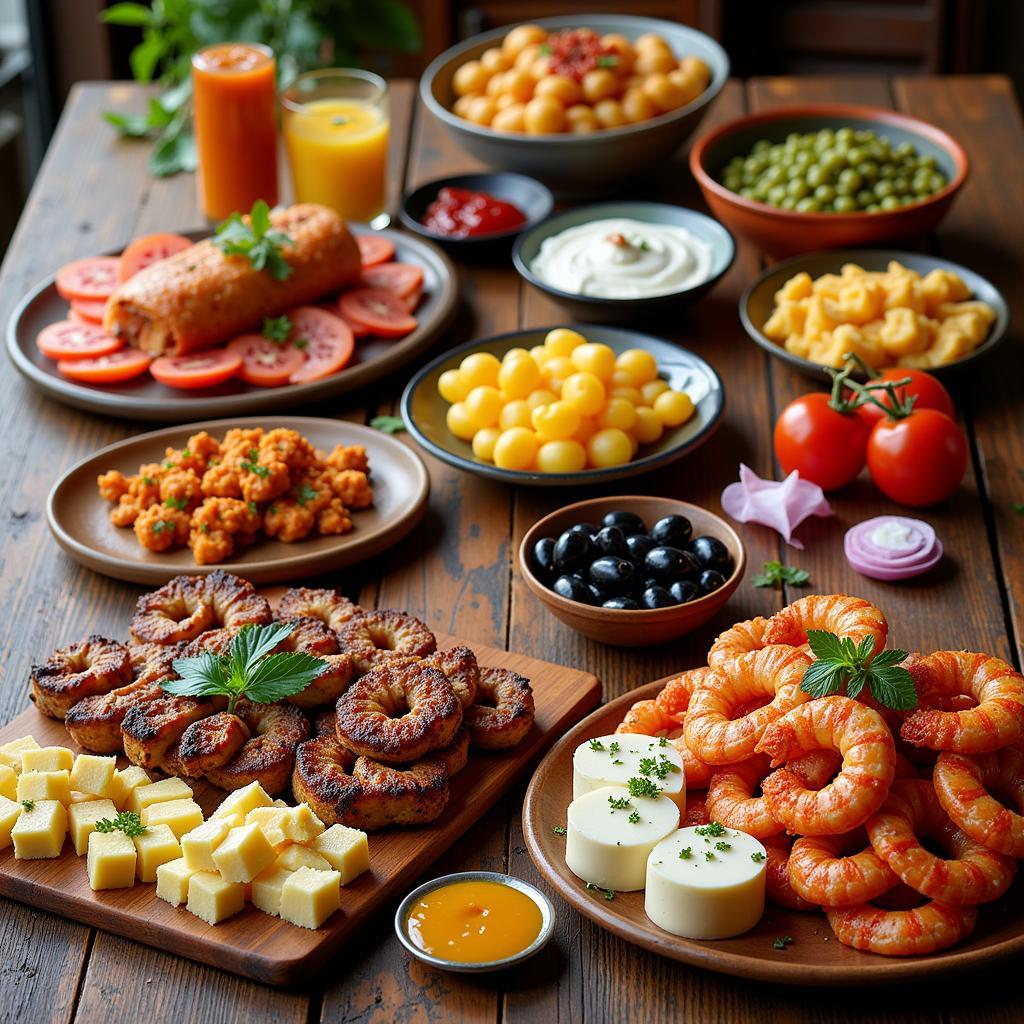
[(253, 943)]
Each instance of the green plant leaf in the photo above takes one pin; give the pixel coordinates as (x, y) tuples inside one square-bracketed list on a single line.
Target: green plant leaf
[(252, 642), (824, 644), (145, 57), (201, 676), (892, 656), (385, 25), (277, 328), (894, 687), (822, 678), (135, 126), (388, 424), (133, 15), (281, 675), (175, 151)]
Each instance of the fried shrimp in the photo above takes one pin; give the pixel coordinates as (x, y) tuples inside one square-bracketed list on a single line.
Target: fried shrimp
[(376, 637), (778, 879), (825, 870), (992, 685), (717, 730), (972, 874), (676, 694), (869, 765), (90, 667), (646, 718), (743, 638), (915, 932), (327, 605), (836, 613), (503, 712)]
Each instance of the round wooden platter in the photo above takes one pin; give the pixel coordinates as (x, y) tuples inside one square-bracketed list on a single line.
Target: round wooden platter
[(80, 519), (814, 957), (145, 398)]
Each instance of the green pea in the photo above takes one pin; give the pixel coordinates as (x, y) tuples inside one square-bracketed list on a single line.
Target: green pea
[(928, 161), (762, 146), (825, 193), (815, 175), (873, 208), (851, 179), (844, 204), (855, 155), (845, 136), (886, 170), (883, 188), (797, 188), (901, 184), (890, 203), (776, 194), (938, 181), (747, 193), (868, 170), (865, 197), (808, 205), (789, 203)]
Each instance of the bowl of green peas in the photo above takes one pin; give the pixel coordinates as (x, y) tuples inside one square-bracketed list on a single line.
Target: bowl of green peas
[(828, 176)]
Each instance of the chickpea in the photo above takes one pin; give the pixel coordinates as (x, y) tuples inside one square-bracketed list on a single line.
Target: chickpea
[(521, 36), (526, 57), (599, 84), (519, 84), (636, 106), (690, 86), (698, 68), (461, 106), (504, 101), (650, 61), (540, 68), (496, 85), (470, 77), (622, 48), (481, 110), (650, 41), (510, 118), (561, 88), (663, 92), (544, 116), (582, 119), (609, 114), (632, 82), (494, 60)]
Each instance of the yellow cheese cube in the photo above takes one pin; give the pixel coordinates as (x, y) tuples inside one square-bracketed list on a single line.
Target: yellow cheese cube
[(279, 803), (10, 752), (157, 845), (111, 861), (78, 797), (10, 811), (172, 881), (309, 897), (125, 782), (198, 845), (294, 857), (181, 815), (82, 818), (269, 820), (164, 791), (345, 849), (242, 801), (40, 832), (212, 899), (8, 782), (46, 759), (45, 786), (93, 774), (245, 853), (301, 825), (266, 890)]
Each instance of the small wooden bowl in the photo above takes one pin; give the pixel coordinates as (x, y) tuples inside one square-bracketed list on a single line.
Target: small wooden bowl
[(624, 627)]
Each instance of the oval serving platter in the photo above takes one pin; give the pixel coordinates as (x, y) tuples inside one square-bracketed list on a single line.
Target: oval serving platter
[(424, 410), (145, 398), (814, 957), (79, 518)]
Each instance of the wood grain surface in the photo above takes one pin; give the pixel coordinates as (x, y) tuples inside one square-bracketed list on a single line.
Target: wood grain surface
[(455, 571)]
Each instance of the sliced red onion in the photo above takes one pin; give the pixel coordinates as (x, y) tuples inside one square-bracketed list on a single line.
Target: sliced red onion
[(892, 547)]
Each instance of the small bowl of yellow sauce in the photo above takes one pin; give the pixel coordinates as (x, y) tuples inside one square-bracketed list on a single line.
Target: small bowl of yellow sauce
[(475, 921)]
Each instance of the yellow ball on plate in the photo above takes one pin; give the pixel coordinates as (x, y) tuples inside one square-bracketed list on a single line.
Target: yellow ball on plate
[(459, 422), (584, 392), (651, 390), (519, 376), (483, 405), (586, 429), (631, 395), (515, 414), (479, 369), (617, 413), (622, 379), (557, 370), (639, 363), (562, 456), (484, 441), (451, 386), (513, 354), (555, 421), (610, 447), (542, 396), (594, 358), (516, 449), (561, 341), (540, 354), (673, 407), (648, 427)]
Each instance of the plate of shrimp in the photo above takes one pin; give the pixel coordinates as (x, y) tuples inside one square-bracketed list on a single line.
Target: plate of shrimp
[(892, 836)]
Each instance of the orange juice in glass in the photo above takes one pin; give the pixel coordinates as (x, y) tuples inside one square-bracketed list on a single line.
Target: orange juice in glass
[(336, 127)]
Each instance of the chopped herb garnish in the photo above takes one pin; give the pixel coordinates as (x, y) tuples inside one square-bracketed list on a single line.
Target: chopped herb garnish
[(544, 49), (596, 745), (252, 506), (29, 805), (254, 467), (388, 424), (642, 244), (711, 829), (723, 847), (170, 464), (775, 573), (304, 493), (128, 822), (642, 787), (178, 503), (277, 328), (782, 941), (757, 856), (204, 527), (841, 663), (614, 748), (662, 741), (148, 481), (617, 761), (709, 855), (660, 768), (255, 240), (618, 803), (608, 894), (162, 526), (634, 817), (559, 830), (301, 343), (608, 60), (685, 853), (186, 454)]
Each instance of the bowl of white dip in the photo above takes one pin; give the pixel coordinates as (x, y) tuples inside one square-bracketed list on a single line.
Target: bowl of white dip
[(610, 261)]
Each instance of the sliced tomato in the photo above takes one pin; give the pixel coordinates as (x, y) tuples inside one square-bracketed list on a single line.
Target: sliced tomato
[(380, 312), (325, 340), (66, 339), (358, 330), (412, 300), (121, 365), (199, 370), (149, 249), (404, 279), (266, 363), (374, 249), (94, 278), (89, 309)]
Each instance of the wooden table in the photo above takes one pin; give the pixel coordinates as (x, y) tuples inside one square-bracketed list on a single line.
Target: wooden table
[(457, 573)]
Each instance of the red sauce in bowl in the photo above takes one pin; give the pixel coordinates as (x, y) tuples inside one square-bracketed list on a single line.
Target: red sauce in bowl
[(461, 213)]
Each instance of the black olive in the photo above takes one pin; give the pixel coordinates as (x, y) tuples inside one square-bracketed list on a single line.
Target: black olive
[(668, 564), (620, 602), (711, 579), (588, 528), (628, 522), (612, 574), (612, 541), (656, 597), (600, 593), (573, 588), (637, 546), (710, 553), (544, 557), (684, 590), (649, 581), (675, 531), (573, 550)]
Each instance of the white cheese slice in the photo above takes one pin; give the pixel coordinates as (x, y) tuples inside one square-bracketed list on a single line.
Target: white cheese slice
[(609, 835), (614, 760), (704, 886)]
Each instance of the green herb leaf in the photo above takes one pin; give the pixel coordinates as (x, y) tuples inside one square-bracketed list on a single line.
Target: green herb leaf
[(642, 787), (255, 240), (775, 573), (388, 424), (29, 805), (782, 941), (893, 687), (133, 15), (1018, 507), (708, 855), (723, 847), (685, 853), (634, 817), (596, 745), (618, 803), (825, 644), (128, 822), (843, 665), (177, 503), (175, 151), (757, 857), (304, 494), (608, 894), (277, 328), (559, 830), (608, 60)]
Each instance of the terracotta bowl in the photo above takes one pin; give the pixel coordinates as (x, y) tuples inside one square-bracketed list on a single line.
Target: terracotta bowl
[(624, 627), (786, 232)]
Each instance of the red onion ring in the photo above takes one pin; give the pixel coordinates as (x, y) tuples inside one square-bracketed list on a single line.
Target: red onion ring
[(920, 552)]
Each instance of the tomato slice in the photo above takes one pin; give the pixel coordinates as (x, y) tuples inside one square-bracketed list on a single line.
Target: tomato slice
[(149, 249), (401, 278), (89, 309), (66, 339), (374, 249), (329, 343), (266, 363), (199, 370), (379, 311), (121, 365), (412, 300), (94, 278)]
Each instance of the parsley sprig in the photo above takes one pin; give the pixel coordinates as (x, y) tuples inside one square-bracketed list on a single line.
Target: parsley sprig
[(128, 822), (775, 573), (248, 669), (277, 328), (842, 663), (255, 240)]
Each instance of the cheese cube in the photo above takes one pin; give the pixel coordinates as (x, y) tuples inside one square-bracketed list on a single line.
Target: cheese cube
[(301, 825), (82, 818), (309, 897), (198, 845), (10, 811), (93, 774), (294, 857), (266, 890), (345, 849), (279, 803), (40, 832), (269, 820), (242, 801), (245, 853), (77, 797), (125, 782), (8, 782), (157, 845), (46, 759), (10, 752), (164, 791), (172, 881), (181, 815), (212, 899), (35, 785), (111, 861)]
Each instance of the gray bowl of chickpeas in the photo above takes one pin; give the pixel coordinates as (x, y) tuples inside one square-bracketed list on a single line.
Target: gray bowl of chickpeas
[(582, 102)]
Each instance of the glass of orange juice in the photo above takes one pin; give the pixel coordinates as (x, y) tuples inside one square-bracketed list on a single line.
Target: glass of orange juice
[(336, 127)]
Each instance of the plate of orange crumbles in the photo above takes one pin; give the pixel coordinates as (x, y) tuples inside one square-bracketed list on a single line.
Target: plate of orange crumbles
[(278, 499)]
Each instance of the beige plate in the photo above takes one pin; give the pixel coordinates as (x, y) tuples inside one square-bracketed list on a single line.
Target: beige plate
[(815, 956), (79, 517)]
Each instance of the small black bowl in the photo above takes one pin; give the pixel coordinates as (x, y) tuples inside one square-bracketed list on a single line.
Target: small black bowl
[(533, 199)]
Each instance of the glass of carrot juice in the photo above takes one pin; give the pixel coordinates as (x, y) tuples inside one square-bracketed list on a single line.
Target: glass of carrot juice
[(336, 127)]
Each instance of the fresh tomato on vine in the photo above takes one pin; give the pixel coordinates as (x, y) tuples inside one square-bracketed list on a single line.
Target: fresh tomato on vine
[(822, 438), (926, 391)]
